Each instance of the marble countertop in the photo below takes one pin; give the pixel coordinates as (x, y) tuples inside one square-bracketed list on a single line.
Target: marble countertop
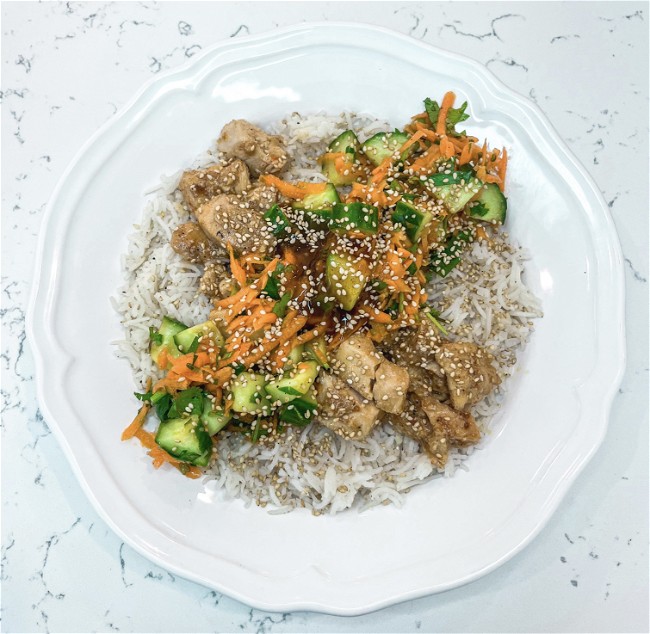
[(67, 67)]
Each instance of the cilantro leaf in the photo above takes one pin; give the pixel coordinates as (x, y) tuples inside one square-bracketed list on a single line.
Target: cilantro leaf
[(454, 115), (192, 397), (155, 336)]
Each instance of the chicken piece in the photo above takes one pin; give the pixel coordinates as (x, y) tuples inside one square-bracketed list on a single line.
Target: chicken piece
[(189, 241), (415, 349), (356, 361), (262, 152), (262, 198), (459, 428), (228, 219), (425, 383), (469, 372), (415, 424), (343, 410), (198, 186), (437, 427), (391, 385), (215, 282)]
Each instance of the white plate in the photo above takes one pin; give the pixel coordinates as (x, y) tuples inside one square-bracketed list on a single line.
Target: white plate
[(449, 532)]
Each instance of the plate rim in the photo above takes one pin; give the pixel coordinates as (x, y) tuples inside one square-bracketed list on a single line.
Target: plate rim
[(584, 181)]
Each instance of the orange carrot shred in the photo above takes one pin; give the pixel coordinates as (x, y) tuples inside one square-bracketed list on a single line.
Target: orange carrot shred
[(447, 102)]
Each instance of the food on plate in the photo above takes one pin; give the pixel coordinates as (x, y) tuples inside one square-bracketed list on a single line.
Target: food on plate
[(332, 308)]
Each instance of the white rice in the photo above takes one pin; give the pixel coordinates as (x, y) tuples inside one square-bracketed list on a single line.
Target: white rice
[(312, 467)]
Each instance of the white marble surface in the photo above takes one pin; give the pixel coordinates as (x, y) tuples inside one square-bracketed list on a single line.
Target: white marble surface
[(67, 67)]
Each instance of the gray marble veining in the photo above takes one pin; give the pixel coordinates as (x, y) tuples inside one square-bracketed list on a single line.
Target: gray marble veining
[(67, 67)]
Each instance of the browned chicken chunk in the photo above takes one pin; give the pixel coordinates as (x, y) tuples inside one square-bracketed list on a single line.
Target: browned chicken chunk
[(356, 362), (262, 197), (199, 186), (437, 427), (343, 410), (391, 386), (190, 241), (215, 282), (262, 152), (228, 219), (415, 348), (469, 372)]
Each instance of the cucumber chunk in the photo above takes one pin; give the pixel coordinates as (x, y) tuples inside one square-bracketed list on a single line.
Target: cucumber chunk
[(187, 339), (318, 207), (414, 220), (355, 217), (345, 279), (278, 221), (186, 439), (345, 142), (249, 395), (323, 200), (316, 350), (348, 144), (490, 206), (300, 411), (383, 145), (214, 419), (295, 384), (164, 338), (456, 195)]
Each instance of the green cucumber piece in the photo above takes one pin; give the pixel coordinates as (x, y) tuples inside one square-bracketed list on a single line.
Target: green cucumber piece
[(345, 279), (413, 220), (345, 142), (490, 206), (383, 145), (294, 384), (348, 143), (323, 200), (300, 411), (278, 221), (355, 216), (456, 196), (249, 395), (214, 418), (164, 338), (187, 339), (186, 439)]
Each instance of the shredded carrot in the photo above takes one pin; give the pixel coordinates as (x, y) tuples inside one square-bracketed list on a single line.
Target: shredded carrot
[(375, 314), (308, 335), (160, 456), (163, 358), (380, 172), (466, 154), (293, 190), (236, 268), (447, 102), (139, 419), (502, 167), (414, 139), (293, 323)]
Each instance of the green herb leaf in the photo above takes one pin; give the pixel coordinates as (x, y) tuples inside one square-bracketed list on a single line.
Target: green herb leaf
[(154, 336), (163, 405), (299, 412), (272, 287), (193, 396), (144, 396), (436, 323), (454, 115), (194, 345), (280, 308), (277, 220), (238, 368)]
